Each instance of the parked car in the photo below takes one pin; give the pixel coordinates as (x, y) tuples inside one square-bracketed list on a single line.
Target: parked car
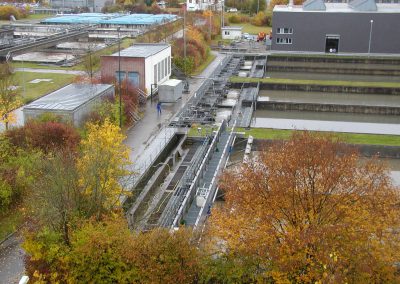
[(232, 10)]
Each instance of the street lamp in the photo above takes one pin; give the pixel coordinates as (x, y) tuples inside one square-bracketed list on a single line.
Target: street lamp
[(370, 37), (119, 78), (152, 90)]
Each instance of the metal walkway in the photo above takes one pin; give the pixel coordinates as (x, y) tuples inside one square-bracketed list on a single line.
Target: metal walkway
[(206, 189)]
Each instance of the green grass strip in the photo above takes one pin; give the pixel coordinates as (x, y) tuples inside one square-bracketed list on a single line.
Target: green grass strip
[(236, 79), (351, 138)]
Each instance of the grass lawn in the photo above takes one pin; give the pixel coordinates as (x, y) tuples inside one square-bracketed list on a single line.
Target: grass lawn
[(34, 91), (204, 65), (237, 79), (251, 29), (352, 138), (39, 17), (194, 131), (9, 222)]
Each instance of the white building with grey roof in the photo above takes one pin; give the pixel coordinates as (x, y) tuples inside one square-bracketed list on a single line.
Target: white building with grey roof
[(144, 65), (73, 103), (360, 26)]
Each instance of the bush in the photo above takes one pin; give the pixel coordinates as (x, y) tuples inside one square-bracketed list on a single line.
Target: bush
[(46, 136), (261, 19), (7, 11), (237, 19)]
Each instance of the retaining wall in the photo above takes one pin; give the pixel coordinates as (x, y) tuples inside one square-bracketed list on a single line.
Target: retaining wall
[(282, 106), (335, 59)]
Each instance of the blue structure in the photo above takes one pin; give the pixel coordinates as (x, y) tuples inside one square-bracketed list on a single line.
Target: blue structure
[(107, 20)]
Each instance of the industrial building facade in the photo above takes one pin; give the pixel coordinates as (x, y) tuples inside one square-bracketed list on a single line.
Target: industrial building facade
[(143, 65), (361, 26)]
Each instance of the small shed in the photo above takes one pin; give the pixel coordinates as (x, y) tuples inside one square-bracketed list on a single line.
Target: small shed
[(231, 32), (170, 91), (72, 103)]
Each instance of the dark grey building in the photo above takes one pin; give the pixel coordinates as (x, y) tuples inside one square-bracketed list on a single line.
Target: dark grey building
[(360, 26)]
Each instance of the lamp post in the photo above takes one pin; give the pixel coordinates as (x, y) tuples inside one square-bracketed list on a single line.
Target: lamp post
[(152, 90), (370, 37), (119, 78)]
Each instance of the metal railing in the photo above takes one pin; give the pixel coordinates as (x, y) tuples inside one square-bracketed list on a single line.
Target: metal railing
[(190, 194), (213, 185)]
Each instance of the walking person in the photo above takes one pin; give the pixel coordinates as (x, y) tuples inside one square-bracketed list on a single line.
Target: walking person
[(159, 108)]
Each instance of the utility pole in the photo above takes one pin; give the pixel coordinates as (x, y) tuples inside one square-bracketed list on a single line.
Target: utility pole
[(370, 37), (258, 6), (184, 39), (210, 24), (119, 78)]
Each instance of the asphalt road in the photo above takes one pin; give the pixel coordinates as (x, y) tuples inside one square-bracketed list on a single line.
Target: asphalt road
[(11, 260)]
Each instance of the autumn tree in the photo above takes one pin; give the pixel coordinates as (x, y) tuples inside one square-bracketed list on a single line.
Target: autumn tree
[(107, 252), (8, 95), (103, 167), (308, 210)]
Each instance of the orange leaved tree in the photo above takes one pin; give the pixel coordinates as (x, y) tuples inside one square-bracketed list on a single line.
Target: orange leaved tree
[(309, 211)]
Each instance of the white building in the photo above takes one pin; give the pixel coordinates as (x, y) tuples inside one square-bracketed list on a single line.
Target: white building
[(231, 32), (201, 5), (143, 64)]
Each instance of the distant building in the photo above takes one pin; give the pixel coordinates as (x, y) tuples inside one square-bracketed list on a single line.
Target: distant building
[(91, 5), (143, 65), (73, 103), (201, 5), (231, 32), (360, 26)]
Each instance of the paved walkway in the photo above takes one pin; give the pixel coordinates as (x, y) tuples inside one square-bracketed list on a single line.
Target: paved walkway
[(54, 71)]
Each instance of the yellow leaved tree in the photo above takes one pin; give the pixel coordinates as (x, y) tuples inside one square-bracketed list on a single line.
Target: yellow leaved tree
[(103, 167), (8, 96)]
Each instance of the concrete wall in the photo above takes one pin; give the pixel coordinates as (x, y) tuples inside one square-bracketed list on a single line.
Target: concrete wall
[(310, 30)]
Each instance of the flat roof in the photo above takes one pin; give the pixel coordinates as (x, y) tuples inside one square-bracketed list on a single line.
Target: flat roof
[(341, 8), (232, 28), (69, 97), (142, 50), (111, 19), (171, 82)]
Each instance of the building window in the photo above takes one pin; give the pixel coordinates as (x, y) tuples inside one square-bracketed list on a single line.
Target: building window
[(159, 71), (155, 74), (284, 31), (120, 76), (280, 40), (162, 69), (226, 32), (134, 79), (169, 65), (165, 66)]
